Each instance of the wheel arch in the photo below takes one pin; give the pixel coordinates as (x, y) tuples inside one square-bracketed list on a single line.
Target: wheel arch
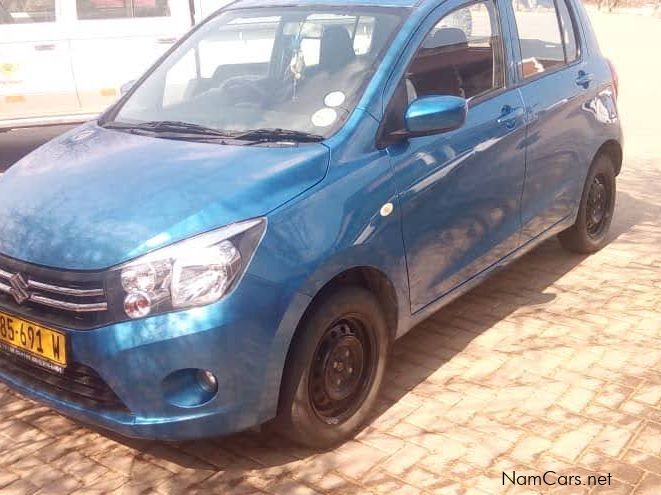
[(367, 277), (372, 279), (613, 150)]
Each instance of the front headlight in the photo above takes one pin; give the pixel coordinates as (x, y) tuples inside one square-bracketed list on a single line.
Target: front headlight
[(194, 272)]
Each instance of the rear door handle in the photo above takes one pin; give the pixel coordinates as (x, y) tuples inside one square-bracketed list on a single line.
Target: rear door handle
[(44, 47), (509, 116), (584, 79), (166, 41)]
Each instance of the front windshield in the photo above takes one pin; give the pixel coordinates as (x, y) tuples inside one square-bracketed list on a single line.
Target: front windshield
[(290, 68)]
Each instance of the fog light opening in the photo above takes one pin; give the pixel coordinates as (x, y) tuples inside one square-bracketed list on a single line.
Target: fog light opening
[(190, 387), (207, 381)]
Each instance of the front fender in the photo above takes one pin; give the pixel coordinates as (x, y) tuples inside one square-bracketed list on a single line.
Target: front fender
[(335, 226)]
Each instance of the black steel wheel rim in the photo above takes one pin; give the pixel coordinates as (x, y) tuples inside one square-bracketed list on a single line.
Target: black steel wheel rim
[(597, 208), (343, 369)]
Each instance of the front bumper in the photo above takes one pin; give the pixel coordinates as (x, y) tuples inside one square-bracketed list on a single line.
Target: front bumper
[(242, 339)]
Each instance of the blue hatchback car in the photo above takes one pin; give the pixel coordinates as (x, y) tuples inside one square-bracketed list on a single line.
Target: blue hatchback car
[(287, 191)]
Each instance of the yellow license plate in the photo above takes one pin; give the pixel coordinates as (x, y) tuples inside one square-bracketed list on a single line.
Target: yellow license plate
[(22, 336)]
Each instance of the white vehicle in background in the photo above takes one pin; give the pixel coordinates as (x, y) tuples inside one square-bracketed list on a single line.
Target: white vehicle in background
[(64, 61)]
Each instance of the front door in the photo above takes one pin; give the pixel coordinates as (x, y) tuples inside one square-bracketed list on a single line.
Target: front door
[(36, 80), (460, 191)]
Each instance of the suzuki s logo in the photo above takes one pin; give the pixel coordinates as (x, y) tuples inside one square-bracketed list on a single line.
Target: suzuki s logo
[(19, 288)]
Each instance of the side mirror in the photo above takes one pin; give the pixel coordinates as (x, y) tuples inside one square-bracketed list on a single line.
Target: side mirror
[(435, 114), (126, 87)]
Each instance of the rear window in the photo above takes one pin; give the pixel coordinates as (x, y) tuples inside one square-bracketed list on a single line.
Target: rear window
[(121, 9), (26, 11)]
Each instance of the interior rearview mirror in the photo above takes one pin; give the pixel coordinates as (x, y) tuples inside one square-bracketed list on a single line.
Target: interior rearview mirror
[(435, 114)]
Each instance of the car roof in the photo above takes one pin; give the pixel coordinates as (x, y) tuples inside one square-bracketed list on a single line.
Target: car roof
[(331, 3)]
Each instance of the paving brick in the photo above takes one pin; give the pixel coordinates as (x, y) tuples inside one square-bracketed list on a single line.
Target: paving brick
[(615, 488), (611, 440), (230, 485), (61, 486), (527, 449), (400, 462), (650, 485), (7, 477), (643, 460), (383, 483), (599, 463), (19, 487), (648, 439), (649, 393)]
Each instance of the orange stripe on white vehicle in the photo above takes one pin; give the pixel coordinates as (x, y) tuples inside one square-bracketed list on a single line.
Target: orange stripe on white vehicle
[(108, 92)]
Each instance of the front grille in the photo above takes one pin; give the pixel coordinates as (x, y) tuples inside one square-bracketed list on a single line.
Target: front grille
[(77, 383), (66, 298), (62, 298)]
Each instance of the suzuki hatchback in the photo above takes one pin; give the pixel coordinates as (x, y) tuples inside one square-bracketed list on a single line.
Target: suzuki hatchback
[(287, 191)]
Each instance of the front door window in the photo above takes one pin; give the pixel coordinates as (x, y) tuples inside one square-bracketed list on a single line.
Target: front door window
[(461, 56)]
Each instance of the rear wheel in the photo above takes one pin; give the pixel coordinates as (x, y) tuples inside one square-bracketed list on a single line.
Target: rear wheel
[(334, 369), (595, 212)]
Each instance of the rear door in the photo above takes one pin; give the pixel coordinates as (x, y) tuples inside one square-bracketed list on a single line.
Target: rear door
[(115, 41), (555, 84), (36, 79)]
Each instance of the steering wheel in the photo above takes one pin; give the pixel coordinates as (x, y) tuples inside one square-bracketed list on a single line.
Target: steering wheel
[(243, 92)]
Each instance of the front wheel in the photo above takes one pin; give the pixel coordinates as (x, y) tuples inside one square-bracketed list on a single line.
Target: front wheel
[(334, 369), (595, 213)]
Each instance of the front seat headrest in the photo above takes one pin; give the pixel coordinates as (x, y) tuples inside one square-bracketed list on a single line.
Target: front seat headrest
[(336, 50), (446, 37)]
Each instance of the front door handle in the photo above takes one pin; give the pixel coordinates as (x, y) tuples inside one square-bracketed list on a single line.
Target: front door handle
[(509, 115), (584, 79)]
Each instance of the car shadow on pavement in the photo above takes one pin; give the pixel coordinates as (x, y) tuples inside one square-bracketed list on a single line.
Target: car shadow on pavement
[(525, 287)]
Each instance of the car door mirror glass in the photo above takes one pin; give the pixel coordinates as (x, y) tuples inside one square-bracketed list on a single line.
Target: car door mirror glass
[(435, 114)]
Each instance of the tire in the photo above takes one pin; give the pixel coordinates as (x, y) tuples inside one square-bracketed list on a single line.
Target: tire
[(322, 368), (589, 233)]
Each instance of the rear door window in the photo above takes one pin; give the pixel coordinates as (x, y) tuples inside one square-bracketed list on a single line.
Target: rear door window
[(121, 9), (539, 36), (26, 11), (568, 31)]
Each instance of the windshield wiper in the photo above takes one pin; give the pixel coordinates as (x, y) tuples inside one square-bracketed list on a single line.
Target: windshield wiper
[(167, 126), (275, 134), (186, 129)]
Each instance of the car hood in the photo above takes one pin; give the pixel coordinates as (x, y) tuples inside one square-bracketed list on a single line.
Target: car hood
[(95, 197)]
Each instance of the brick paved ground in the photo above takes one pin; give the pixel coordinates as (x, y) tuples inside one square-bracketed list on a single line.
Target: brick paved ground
[(553, 364)]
